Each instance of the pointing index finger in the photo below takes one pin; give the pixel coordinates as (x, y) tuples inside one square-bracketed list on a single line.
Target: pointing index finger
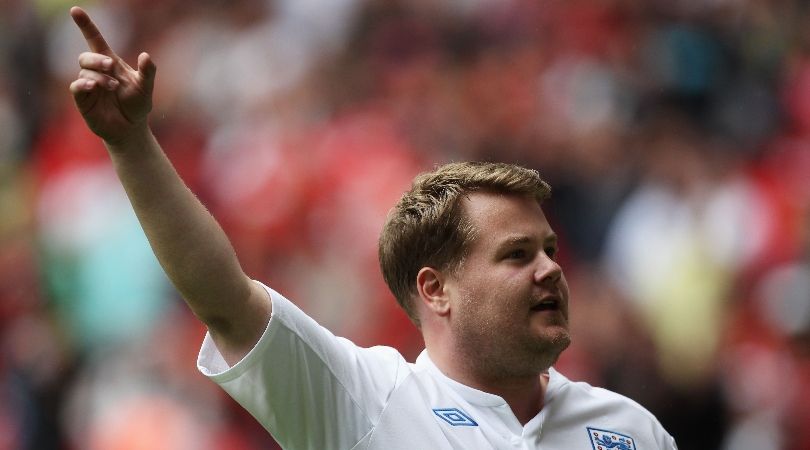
[(91, 34)]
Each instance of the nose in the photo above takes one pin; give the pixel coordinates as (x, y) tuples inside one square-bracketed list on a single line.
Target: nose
[(548, 271)]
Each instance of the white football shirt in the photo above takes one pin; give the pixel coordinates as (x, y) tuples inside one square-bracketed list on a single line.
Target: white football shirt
[(312, 390)]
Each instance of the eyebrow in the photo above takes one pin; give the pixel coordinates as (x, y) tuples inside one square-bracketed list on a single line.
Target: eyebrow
[(517, 240)]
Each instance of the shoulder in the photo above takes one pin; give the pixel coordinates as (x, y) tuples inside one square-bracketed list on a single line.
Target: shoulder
[(601, 409), (596, 397)]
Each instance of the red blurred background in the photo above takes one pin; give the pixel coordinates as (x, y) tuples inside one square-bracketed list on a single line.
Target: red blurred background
[(676, 136)]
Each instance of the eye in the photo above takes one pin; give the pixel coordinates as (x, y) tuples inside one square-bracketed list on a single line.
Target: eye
[(517, 254), (551, 252)]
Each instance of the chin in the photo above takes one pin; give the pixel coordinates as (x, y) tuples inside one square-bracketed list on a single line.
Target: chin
[(552, 330), (550, 338), (555, 340)]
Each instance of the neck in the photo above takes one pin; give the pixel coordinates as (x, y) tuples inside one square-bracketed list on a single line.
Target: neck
[(524, 394), (524, 397)]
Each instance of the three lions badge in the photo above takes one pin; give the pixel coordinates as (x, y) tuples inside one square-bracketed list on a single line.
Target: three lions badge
[(610, 440)]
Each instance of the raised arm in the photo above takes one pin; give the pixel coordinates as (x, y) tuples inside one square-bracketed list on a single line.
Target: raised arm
[(114, 100)]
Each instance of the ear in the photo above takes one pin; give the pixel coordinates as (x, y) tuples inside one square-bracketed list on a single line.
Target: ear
[(430, 283)]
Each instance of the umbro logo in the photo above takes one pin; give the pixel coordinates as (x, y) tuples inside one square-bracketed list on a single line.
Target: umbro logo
[(455, 417)]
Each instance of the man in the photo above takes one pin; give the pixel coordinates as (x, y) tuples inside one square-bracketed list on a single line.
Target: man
[(468, 254)]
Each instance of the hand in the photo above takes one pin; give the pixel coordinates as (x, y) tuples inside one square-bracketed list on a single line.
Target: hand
[(113, 98)]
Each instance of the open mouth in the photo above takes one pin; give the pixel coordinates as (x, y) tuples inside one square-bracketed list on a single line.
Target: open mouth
[(547, 304)]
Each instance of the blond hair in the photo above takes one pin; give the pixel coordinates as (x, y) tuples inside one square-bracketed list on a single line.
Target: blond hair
[(428, 228)]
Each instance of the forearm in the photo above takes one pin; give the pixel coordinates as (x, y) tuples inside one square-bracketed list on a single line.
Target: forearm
[(189, 244)]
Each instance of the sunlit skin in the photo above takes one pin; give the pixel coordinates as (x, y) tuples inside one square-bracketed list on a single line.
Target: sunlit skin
[(499, 322)]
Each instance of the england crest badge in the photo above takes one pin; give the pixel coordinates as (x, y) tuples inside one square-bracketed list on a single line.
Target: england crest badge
[(610, 440)]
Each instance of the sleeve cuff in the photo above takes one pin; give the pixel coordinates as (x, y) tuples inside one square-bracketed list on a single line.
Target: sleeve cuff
[(210, 361)]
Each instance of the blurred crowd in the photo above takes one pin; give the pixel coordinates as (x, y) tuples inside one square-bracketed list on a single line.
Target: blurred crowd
[(675, 134)]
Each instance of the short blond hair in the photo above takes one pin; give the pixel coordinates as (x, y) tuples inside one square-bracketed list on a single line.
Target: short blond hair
[(428, 228)]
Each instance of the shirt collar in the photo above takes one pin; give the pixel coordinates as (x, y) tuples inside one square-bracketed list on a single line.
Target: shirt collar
[(478, 397)]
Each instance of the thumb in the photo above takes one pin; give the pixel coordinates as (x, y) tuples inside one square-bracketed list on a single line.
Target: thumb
[(147, 69)]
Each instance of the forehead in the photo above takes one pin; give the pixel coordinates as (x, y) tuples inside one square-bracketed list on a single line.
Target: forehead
[(495, 217)]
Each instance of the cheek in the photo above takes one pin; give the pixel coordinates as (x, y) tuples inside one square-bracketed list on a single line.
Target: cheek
[(566, 295), (495, 296), (479, 304), (564, 288)]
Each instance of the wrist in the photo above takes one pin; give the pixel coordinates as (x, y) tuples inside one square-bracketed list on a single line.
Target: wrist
[(133, 141)]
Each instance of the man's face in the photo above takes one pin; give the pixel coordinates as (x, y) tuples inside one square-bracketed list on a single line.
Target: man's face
[(509, 299)]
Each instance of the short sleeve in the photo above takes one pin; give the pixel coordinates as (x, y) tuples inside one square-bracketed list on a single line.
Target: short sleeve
[(307, 387)]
